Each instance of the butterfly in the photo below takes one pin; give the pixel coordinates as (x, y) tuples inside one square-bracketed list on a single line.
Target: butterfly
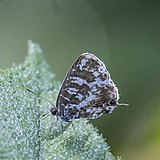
[(87, 91)]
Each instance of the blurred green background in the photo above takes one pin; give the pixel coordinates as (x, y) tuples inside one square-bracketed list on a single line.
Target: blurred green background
[(124, 34)]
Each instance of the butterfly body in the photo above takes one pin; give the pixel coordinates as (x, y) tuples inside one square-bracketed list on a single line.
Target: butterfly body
[(87, 90)]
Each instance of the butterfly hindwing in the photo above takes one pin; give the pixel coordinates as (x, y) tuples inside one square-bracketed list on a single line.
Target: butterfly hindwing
[(87, 90)]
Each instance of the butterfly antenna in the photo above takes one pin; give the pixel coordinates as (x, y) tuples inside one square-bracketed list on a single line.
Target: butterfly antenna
[(40, 97), (45, 115)]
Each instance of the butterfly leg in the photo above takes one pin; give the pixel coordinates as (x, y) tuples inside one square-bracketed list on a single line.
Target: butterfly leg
[(53, 124), (73, 127), (62, 127), (71, 124)]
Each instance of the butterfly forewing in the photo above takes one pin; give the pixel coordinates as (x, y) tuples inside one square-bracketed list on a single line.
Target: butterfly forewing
[(87, 90)]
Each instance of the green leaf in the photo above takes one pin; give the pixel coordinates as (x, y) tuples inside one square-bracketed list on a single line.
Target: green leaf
[(25, 133)]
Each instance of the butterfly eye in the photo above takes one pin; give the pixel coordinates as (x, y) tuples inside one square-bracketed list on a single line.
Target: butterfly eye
[(53, 111), (113, 102)]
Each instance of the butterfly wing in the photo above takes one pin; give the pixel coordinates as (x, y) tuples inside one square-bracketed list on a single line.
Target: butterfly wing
[(87, 90)]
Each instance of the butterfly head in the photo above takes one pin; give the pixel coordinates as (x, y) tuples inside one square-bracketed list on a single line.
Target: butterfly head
[(54, 111)]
